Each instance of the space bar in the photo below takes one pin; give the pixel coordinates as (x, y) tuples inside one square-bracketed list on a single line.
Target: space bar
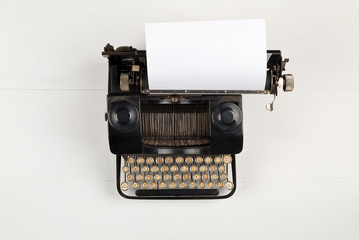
[(176, 192)]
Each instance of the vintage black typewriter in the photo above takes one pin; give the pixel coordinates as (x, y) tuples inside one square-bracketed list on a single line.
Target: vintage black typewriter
[(176, 144)]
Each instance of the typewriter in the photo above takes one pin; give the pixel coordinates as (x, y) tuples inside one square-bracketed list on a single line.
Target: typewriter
[(173, 144)]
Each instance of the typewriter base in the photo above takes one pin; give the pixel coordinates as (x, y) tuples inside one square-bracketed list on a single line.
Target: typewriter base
[(157, 193)]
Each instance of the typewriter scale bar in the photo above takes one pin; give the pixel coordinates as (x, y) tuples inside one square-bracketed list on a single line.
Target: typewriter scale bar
[(176, 176)]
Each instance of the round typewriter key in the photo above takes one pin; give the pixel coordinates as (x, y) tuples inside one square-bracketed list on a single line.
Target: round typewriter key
[(211, 184), (145, 169), (199, 159), (149, 160), (205, 177), (168, 160), (203, 168), (182, 184), (172, 185), (212, 168), (184, 169), (196, 177), (167, 177), (214, 177), (221, 168), (163, 185), (130, 160), (130, 177), (179, 160), (157, 177), (217, 159), (186, 177), (135, 185), (140, 160), (164, 168), (154, 169), (189, 160), (139, 177), (223, 176), (173, 168), (148, 177), (159, 160), (153, 185), (227, 159), (144, 185), (193, 168), (125, 169), (124, 186), (201, 184), (208, 160), (192, 185), (135, 169), (177, 177), (219, 184), (229, 185)]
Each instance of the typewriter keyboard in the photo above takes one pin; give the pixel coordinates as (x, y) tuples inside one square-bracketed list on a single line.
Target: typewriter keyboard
[(174, 176)]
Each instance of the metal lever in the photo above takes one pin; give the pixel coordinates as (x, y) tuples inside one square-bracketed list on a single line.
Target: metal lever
[(269, 106)]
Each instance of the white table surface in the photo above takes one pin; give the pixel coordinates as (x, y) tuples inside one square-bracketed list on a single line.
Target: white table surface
[(298, 174)]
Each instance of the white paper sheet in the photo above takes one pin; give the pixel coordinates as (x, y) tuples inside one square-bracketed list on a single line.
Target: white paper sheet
[(211, 55)]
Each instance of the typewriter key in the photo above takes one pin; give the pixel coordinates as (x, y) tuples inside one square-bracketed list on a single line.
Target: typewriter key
[(179, 160), (154, 169), (148, 177), (130, 177), (205, 177), (217, 159), (208, 160), (219, 184), (157, 177), (196, 177), (177, 177), (184, 169), (210, 184), (159, 160), (202, 184), (139, 177), (199, 160), (135, 169), (130, 160), (153, 185), (182, 185), (145, 169), (172, 185), (192, 185), (144, 185), (167, 177), (149, 160), (124, 186), (212, 168), (169, 160), (227, 159), (221, 168), (163, 185), (193, 168), (214, 177), (189, 160), (203, 168), (140, 160), (125, 169), (186, 177), (164, 168), (173, 168), (229, 185), (135, 185), (223, 176)]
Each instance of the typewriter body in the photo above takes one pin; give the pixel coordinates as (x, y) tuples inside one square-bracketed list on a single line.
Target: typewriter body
[(176, 144)]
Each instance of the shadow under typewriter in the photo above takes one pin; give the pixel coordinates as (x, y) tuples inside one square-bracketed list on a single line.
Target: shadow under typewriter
[(163, 176)]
